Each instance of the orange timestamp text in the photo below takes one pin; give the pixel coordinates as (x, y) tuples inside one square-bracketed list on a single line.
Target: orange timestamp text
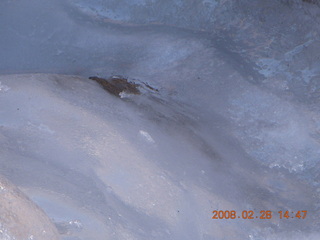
[(264, 214)]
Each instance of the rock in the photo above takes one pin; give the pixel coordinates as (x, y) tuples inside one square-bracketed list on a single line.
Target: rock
[(117, 85)]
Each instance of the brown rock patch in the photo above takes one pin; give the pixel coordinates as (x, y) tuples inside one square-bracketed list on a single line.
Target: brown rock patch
[(116, 85)]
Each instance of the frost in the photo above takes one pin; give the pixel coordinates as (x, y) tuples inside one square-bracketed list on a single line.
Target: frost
[(4, 88), (296, 50), (76, 223), (147, 136), (269, 66), (4, 235)]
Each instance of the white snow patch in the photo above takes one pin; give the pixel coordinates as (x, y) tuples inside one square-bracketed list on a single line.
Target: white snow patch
[(146, 136), (4, 88)]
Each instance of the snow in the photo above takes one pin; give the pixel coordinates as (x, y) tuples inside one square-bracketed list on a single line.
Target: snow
[(232, 125), (3, 88), (147, 136)]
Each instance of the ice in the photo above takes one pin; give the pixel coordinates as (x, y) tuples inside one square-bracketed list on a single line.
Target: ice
[(16, 212), (147, 136), (4, 88), (227, 119), (95, 163)]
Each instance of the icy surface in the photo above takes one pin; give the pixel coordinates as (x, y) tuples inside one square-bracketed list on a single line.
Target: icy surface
[(20, 218), (231, 121)]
